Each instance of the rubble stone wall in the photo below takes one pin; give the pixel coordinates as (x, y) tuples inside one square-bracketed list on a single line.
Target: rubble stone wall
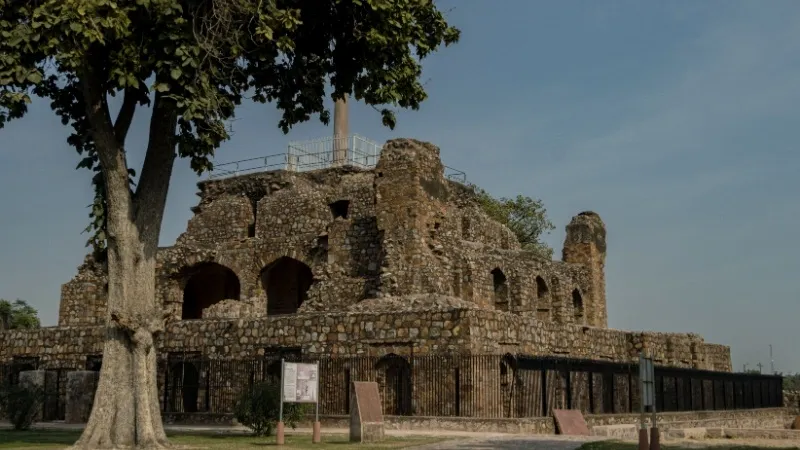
[(472, 331)]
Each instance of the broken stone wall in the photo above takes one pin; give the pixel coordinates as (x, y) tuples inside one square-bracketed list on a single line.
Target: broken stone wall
[(334, 237), (84, 298), (434, 331)]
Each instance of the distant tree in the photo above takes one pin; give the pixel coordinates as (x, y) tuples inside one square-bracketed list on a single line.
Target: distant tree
[(791, 382), (18, 315), (524, 216)]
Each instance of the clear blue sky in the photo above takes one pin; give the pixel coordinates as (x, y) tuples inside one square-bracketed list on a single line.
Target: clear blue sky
[(672, 120)]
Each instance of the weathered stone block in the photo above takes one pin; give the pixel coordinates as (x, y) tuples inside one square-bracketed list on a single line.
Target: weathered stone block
[(81, 386), (366, 416)]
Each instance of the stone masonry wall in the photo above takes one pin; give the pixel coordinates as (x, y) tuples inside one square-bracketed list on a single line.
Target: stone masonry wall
[(84, 298), (457, 330)]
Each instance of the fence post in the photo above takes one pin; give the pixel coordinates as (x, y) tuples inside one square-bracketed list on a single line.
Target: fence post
[(568, 383), (545, 409)]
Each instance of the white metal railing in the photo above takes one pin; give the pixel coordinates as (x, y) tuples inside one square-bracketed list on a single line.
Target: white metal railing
[(315, 154)]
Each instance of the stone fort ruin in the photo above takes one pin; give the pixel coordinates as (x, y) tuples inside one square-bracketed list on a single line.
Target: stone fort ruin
[(389, 260)]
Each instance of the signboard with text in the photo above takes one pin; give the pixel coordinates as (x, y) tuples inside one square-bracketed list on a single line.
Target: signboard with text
[(300, 382)]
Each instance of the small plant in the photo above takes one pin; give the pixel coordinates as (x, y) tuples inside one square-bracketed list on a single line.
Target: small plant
[(258, 409), (21, 404)]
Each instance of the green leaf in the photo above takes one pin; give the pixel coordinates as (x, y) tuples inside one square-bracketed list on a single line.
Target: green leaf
[(76, 27), (35, 77), (176, 73)]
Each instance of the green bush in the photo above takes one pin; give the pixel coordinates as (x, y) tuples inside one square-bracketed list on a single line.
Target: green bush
[(21, 404), (258, 408)]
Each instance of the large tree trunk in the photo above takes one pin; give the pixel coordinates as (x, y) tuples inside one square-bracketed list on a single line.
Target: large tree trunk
[(126, 412)]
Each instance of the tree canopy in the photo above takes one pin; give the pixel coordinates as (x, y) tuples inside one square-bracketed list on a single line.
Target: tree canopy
[(524, 216), (194, 61), (18, 315)]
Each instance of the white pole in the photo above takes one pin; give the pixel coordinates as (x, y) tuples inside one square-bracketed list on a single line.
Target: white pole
[(280, 410)]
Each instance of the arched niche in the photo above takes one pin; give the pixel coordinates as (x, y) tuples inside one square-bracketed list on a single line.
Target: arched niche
[(208, 284), (394, 381), (286, 282), (500, 289), (577, 305)]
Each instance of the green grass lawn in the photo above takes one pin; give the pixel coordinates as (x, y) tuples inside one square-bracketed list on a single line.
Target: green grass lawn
[(52, 440), (615, 445)]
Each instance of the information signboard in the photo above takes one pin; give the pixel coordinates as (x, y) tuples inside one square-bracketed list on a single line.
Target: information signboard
[(300, 382)]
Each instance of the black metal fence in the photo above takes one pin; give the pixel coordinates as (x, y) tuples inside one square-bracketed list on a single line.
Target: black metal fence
[(488, 386), (54, 385), (469, 386)]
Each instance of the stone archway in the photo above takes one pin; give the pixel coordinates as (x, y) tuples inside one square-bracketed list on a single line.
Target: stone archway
[(208, 284), (286, 282), (394, 380)]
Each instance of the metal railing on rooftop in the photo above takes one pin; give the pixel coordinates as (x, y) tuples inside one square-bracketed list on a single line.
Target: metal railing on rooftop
[(316, 154)]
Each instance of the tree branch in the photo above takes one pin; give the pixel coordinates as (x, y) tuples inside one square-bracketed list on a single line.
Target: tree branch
[(125, 115), (110, 153), (151, 193)]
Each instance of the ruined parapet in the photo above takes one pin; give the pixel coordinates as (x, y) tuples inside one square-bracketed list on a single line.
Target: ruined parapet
[(410, 202), (585, 244), (84, 297)]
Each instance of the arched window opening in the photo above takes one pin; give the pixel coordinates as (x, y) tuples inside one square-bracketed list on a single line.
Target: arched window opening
[(209, 283), (542, 300), (577, 304), (286, 282), (500, 283), (395, 383), (542, 291)]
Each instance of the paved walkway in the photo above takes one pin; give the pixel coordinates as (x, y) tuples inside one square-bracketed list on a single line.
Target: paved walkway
[(463, 439), (512, 442)]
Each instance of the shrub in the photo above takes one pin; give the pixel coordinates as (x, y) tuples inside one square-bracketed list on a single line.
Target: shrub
[(258, 408), (21, 404)]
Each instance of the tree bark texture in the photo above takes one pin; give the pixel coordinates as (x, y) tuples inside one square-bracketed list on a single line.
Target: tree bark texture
[(126, 412)]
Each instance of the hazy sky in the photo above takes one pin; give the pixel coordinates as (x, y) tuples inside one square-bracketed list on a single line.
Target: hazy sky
[(672, 120)]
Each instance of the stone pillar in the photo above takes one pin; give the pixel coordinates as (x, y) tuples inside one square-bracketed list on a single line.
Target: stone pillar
[(341, 131), (585, 244), (81, 386), (34, 379), (410, 190)]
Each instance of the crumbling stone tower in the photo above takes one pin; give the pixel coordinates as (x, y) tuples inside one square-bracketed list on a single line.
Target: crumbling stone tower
[(585, 244)]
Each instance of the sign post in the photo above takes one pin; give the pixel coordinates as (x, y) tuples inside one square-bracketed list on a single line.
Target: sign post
[(299, 384), (647, 388)]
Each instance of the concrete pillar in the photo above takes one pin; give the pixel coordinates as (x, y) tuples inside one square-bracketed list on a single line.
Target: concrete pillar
[(81, 386), (34, 379), (341, 131)]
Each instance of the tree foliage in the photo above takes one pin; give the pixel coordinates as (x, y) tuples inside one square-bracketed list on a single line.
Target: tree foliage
[(791, 382), (194, 61), (258, 409), (20, 403), (524, 216), (18, 315)]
